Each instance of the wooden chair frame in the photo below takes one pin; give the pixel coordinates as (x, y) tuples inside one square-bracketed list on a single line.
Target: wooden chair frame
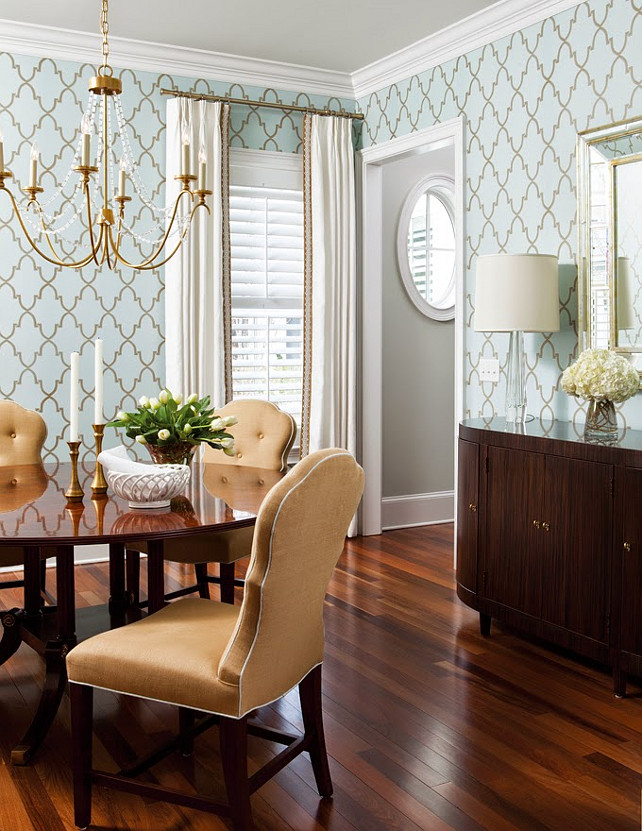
[(233, 742)]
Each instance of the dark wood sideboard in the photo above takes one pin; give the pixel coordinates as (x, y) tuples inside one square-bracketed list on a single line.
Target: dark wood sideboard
[(549, 537)]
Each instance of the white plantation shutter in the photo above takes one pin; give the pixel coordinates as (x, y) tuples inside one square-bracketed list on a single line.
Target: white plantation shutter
[(266, 237)]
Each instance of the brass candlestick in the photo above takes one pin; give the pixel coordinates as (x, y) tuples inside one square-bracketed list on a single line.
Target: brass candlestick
[(74, 492), (99, 485)]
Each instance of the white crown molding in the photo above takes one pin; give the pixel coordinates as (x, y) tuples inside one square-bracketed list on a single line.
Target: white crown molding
[(497, 21), (66, 44)]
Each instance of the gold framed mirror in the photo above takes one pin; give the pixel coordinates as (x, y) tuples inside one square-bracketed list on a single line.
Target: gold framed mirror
[(610, 238)]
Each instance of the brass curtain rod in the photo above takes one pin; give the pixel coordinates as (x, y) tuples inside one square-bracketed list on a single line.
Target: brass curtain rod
[(197, 96)]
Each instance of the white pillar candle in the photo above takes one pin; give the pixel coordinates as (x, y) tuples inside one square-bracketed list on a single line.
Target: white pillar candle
[(73, 397), (98, 382), (185, 156), (1, 152), (33, 172), (202, 169)]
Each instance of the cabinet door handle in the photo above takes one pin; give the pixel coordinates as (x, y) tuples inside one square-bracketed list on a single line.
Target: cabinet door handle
[(627, 546), (472, 507), (536, 523), (546, 526)]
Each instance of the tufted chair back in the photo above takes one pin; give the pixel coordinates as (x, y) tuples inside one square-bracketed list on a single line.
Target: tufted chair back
[(22, 435), (263, 436)]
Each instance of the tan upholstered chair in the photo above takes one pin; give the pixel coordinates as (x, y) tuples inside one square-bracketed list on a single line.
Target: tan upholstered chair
[(263, 439), (22, 435), (227, 660)]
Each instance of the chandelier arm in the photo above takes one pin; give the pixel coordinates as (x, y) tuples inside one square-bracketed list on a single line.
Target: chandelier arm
[(151, 263), (55, 260)]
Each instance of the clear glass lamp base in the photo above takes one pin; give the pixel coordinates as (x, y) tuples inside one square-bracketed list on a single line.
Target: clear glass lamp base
[(516, 380)]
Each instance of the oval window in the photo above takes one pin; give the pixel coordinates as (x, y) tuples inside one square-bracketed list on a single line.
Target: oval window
[(426, 247)]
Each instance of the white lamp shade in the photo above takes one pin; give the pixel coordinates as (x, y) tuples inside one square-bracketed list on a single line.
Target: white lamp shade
[(517, 293), (624, 294)]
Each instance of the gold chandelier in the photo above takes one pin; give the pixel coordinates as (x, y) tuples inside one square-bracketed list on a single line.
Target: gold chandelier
[(103, 222)]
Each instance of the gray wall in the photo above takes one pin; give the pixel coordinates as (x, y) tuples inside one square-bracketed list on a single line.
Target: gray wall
[(418, 357)]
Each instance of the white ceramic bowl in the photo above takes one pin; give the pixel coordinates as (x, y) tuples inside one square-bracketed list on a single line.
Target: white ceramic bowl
[(149, 490)]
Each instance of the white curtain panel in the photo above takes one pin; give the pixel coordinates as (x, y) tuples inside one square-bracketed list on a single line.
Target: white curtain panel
[(197, 281), (330, 306)]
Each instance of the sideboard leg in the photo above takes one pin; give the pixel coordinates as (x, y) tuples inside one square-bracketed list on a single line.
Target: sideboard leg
[(484, 624), (619, 683)]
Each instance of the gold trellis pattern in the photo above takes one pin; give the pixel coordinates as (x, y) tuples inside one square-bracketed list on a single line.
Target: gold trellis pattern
[(47, 312), (524, 98)]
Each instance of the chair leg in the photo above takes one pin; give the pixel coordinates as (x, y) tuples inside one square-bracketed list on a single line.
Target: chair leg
[(186, 719), (82, 699), (227, 582), (233, 738), (200, 570), (310, 697), (43, 581), (132, 559)]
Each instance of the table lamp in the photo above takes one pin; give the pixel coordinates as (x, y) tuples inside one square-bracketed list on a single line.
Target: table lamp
[(517, 293)]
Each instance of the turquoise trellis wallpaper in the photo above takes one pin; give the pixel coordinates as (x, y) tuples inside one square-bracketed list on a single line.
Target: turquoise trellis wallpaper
[(48, 312), (523, 99)]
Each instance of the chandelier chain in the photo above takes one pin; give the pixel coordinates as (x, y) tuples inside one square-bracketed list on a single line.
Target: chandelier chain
[(104, 28)]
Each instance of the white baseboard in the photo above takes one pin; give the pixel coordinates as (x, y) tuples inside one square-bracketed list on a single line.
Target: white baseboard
[(417, 509)]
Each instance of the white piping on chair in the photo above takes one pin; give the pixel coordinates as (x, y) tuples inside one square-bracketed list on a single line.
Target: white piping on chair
[(267, 571), (199, 708)]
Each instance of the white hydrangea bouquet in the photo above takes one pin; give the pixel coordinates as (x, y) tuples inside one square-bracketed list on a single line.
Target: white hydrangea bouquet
[(601, 375), (604, 378)]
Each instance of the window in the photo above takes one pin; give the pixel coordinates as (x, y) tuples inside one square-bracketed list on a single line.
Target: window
[(266, 239), (426, 247)]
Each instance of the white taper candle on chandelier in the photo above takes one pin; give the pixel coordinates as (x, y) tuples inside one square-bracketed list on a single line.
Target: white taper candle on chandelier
[(33, 167), (86, 142), (1, 152), (122, 181), (73, 397), (202, 169), (98, 382), (185, 155)]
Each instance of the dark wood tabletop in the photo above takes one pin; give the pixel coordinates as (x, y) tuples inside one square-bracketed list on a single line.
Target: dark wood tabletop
[(34, 511)]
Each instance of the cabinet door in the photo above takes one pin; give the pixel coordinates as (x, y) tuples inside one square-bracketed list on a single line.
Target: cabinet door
[(631, 614), (467, 514), (576, 537), (510, 571)]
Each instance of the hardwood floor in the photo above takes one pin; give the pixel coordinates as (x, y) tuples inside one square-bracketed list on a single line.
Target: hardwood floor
[(429, 726)]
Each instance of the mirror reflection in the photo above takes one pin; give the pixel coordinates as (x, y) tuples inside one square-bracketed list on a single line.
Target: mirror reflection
[(610, 207)]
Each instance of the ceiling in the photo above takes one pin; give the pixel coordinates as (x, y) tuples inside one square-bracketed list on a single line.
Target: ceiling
[(342, 35)]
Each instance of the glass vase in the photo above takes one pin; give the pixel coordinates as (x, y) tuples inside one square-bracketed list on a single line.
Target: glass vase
[(178, 453), (601, 422)]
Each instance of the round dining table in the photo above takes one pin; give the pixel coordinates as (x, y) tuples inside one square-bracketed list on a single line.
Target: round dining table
[(36, 517)]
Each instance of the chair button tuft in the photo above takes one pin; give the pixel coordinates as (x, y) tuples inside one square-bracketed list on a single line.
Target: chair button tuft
[(13, 435), (239, 455), (14, 481), (224, 480), (261, 481), (261, 436)]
